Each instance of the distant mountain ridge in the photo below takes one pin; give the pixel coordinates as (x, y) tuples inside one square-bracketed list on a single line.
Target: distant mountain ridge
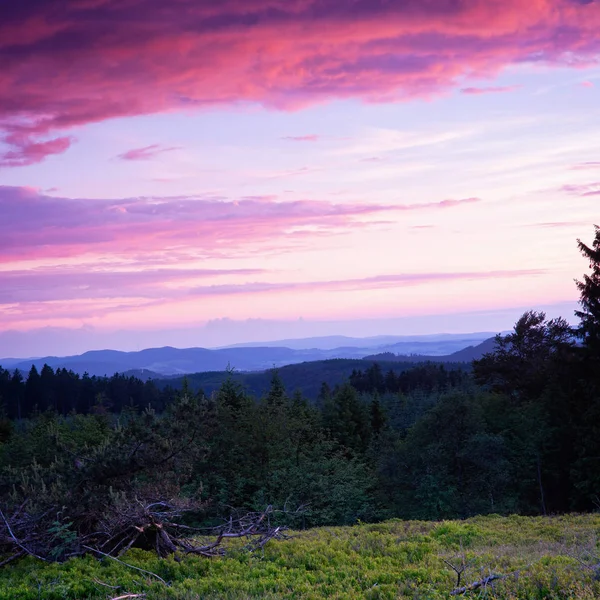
[(465, 355), (169, 361), (336, 342)]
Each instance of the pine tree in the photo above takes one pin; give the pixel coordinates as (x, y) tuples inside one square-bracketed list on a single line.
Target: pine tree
[(589, 289), (377, 416), (276, 395)]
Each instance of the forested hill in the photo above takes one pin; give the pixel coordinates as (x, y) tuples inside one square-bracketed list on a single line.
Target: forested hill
[(308, 377)]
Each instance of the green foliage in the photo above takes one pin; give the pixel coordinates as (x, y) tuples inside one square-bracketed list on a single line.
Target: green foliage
[(395, 559)]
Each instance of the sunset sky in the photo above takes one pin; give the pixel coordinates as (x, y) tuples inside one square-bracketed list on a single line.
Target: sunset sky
[(168, 164)]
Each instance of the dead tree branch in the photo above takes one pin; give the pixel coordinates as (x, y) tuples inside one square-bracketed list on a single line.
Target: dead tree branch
[(483, 583)]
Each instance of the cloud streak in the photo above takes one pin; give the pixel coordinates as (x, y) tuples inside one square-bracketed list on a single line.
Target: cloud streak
[(147, 152), (69, 63), (36, 225), (70, 293), (583, 190), (377, 282), (585, 166), (477, 91), (76, 283), (301, 138)]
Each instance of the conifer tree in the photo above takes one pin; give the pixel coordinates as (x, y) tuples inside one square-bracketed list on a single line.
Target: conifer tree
[(276, 395), (589, 289)]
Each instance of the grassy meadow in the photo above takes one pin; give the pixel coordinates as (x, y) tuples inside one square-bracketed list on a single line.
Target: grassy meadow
[(546, 557)]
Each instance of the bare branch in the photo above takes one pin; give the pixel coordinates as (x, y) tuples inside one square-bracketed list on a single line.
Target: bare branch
[(485, 582), (17, 542)]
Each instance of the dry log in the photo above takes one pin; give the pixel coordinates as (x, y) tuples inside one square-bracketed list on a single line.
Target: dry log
[(482, 583)]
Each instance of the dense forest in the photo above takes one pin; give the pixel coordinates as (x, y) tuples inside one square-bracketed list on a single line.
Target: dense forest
[(519, 433)]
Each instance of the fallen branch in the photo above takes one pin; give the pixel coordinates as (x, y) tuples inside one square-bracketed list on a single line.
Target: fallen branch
[(112, 587), (13, 557), (476, 585), (482, 583), (17, 542), (131, 523)]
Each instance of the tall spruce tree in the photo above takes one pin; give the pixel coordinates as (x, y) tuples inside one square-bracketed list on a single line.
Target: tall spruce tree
[(589, 289)]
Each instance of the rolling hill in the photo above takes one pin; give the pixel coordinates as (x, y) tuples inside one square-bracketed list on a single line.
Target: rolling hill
[(169, 361)]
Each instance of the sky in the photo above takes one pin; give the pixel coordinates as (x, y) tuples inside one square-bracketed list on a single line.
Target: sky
[(215, 172)]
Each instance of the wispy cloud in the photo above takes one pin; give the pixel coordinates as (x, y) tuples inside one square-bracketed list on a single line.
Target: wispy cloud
[(393, 280), (37, 288), (84, 282), (584, 166), (583, 190), (34, 224), (476, 91), (147, 152), (302, 138), (376, 141), (557, 224)]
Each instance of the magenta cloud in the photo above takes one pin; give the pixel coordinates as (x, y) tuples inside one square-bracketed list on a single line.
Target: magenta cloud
[(75, 283), (41, 226), (57, 284), (67, 63), (476, 91), (147, 152), (26, 151), (301, 138), (584, 190)]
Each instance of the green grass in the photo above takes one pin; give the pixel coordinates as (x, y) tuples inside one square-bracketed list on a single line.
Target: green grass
[(556, 557)]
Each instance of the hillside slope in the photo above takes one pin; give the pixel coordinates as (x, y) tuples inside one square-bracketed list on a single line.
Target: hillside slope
[(306, 377)]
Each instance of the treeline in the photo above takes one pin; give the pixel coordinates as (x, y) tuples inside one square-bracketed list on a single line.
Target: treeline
[(427, 377), (65, 392), (518, 434)]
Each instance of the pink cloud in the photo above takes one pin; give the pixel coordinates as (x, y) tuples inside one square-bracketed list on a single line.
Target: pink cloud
[(35, 224), (393, 280), (147, 152), (71, 63), (586, 165), (584, 190), (301, 138), (587, 84), (453, 203), (80, 282), (25, 151), (30, 293), (473, 91), (557, 224)]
